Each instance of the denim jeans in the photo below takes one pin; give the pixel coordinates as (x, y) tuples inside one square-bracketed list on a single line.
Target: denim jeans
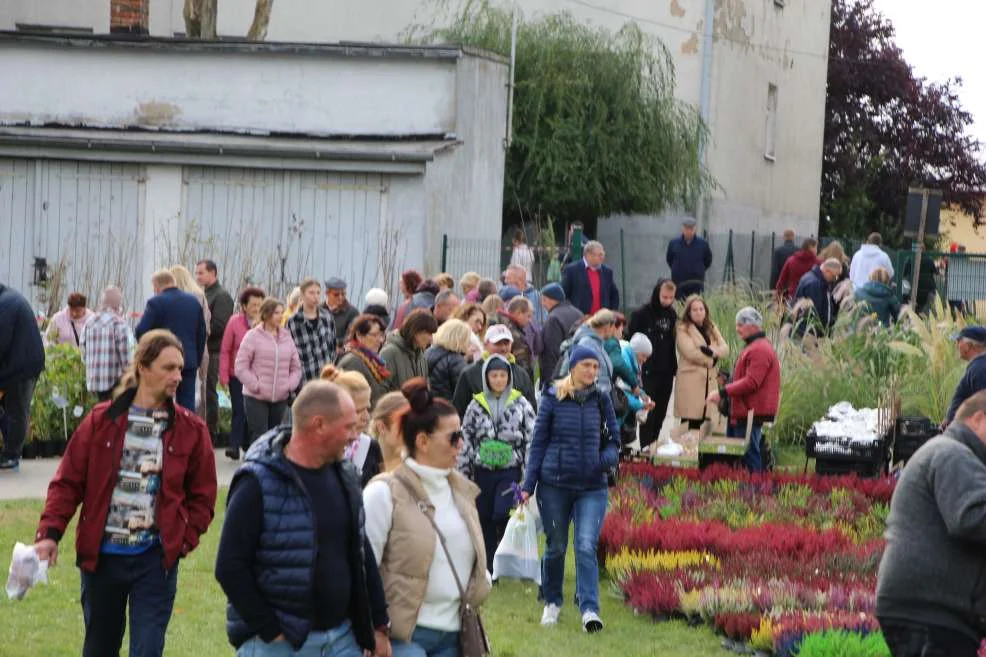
[(426, 642), (907, 639), (753, 459), (587, 508), (337, 642), (139, 580)]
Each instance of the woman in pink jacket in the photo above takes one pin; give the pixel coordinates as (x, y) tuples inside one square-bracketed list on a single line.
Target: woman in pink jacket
[(236, 329), (269, 368)]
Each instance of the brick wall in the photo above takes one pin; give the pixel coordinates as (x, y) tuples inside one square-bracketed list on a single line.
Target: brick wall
[(128, 16)]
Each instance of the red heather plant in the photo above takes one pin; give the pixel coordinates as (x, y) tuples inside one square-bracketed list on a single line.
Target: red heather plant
[(651, 593), (737, 625)]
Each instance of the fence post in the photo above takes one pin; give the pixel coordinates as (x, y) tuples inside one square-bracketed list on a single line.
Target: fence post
[(576, 244), (753, 246), (623, 273), (444, 252), (727, 267)]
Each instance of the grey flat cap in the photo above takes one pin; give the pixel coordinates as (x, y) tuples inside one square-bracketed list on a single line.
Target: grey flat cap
[(335, 283)]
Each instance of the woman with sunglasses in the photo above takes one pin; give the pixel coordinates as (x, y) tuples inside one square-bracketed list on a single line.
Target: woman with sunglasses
[(422, 523)]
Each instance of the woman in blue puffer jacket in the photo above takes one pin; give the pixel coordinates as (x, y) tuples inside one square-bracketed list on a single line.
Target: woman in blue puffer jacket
[(567, 463)]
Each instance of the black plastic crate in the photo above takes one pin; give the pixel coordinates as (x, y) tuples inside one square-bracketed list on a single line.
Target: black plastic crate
[(914, 426), (866, 469), (876, 452)]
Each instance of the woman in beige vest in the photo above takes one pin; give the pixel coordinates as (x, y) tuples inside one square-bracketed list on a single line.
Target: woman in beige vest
[(419, 577), (700, 346)]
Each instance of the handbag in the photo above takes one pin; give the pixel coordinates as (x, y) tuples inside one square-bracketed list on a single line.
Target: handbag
[(473, 641)]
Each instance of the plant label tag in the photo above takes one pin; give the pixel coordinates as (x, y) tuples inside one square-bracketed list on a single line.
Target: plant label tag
[(77, 411), (721, 449), (59, 401)]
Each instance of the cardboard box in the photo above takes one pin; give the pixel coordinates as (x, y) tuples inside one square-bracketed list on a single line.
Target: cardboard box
[(715, 441)]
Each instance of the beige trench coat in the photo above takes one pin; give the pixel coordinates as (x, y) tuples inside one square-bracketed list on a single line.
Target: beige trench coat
[(696, 371)]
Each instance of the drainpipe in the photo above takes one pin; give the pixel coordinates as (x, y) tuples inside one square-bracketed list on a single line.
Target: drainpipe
[(508, 138), (704, 101)]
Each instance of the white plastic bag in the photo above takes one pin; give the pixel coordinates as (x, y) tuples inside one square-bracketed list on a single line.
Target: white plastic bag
[(26, 570), (517, 554)]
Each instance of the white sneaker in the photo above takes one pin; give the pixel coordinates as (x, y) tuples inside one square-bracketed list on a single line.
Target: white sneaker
[(591, 622), (550, 615)]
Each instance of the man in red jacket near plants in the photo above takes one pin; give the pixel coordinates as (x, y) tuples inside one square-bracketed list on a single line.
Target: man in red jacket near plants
[(144, 471), (796, 266), (756, 385)]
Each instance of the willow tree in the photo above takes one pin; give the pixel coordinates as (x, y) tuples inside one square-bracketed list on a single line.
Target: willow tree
[(596, 129)]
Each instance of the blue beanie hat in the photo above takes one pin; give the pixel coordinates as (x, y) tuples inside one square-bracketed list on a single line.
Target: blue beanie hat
[(553, 291), (508, 292), (580, 353)]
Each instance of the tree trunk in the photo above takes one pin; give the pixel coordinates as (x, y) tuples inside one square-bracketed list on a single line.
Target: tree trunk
[(210, 10), (193, 18), (261, 19)]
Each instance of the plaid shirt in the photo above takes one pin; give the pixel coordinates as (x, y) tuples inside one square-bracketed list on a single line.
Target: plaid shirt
[(315, 341), (105, 345)]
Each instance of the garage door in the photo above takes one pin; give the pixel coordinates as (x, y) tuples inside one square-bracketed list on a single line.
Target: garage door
[(274, 228), (81, 217)]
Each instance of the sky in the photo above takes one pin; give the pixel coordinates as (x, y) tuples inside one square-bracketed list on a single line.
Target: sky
[(942, 39)]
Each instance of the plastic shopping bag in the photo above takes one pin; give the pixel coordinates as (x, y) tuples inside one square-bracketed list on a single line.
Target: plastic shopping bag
[(517, 554), (26, 570)]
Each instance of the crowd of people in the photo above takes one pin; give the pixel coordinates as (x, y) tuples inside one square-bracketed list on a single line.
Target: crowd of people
[(382, 450)]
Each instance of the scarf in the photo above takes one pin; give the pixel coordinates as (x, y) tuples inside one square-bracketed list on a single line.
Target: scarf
[(371, 359)]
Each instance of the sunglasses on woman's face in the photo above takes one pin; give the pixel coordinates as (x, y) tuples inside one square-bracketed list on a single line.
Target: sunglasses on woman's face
[(456, 437)]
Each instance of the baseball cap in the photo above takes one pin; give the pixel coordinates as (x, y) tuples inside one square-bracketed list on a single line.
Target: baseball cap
[(498, 333)]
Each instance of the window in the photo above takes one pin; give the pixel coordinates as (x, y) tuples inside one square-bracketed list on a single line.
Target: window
[(770, 134)]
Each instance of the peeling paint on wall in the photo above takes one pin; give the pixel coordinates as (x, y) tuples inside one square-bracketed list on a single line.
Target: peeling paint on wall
[(676, 9), (690, 47), (154, 113), (733, 23)]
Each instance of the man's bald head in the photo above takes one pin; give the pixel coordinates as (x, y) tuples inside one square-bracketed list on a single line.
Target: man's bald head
[(317, 398)]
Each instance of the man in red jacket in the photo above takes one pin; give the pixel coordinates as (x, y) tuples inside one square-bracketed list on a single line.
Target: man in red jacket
[(796, 266), (756, 385), (144, 471)]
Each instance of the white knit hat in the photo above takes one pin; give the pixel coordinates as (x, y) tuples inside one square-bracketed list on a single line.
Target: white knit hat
[(376, 297), (640, 344)]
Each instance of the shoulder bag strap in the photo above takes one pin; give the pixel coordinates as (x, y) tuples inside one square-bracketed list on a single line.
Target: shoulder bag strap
[(423, 507)]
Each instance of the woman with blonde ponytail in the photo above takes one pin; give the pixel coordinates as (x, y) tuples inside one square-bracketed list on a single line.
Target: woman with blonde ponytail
[(364, 452)]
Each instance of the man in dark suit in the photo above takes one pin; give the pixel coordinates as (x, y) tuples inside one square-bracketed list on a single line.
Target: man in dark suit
[(181, 313), (588, 283)]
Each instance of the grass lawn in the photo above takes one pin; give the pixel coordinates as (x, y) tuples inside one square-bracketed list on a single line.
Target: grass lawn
[(48, 621)]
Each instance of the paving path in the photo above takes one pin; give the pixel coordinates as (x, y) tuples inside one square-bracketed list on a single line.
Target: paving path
[(32, 479)]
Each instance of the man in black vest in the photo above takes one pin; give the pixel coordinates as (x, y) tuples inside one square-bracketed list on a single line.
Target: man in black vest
[(294, 570)]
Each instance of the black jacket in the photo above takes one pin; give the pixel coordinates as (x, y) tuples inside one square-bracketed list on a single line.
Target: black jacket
[(556, 330), (658, 324), (444, 369), (220, 310), (471, 382), (781, 254), (22, 354)]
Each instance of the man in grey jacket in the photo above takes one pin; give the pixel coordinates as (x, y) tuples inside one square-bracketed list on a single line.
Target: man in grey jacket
[(562, 316), (931, 588)]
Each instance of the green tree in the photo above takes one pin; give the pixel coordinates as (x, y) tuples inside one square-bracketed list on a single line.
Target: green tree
[(596, 129)]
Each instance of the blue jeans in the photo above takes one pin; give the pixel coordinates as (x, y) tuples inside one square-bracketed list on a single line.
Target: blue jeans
[(587, 508), (426, 642), (139, 580), (337, 642), (753, 459)]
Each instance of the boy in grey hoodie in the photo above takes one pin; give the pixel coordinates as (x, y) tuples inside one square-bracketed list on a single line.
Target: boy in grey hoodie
[(931, 588), (497, 427)]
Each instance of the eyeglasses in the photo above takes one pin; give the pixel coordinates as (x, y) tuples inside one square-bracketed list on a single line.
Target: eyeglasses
[(456, 437)]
